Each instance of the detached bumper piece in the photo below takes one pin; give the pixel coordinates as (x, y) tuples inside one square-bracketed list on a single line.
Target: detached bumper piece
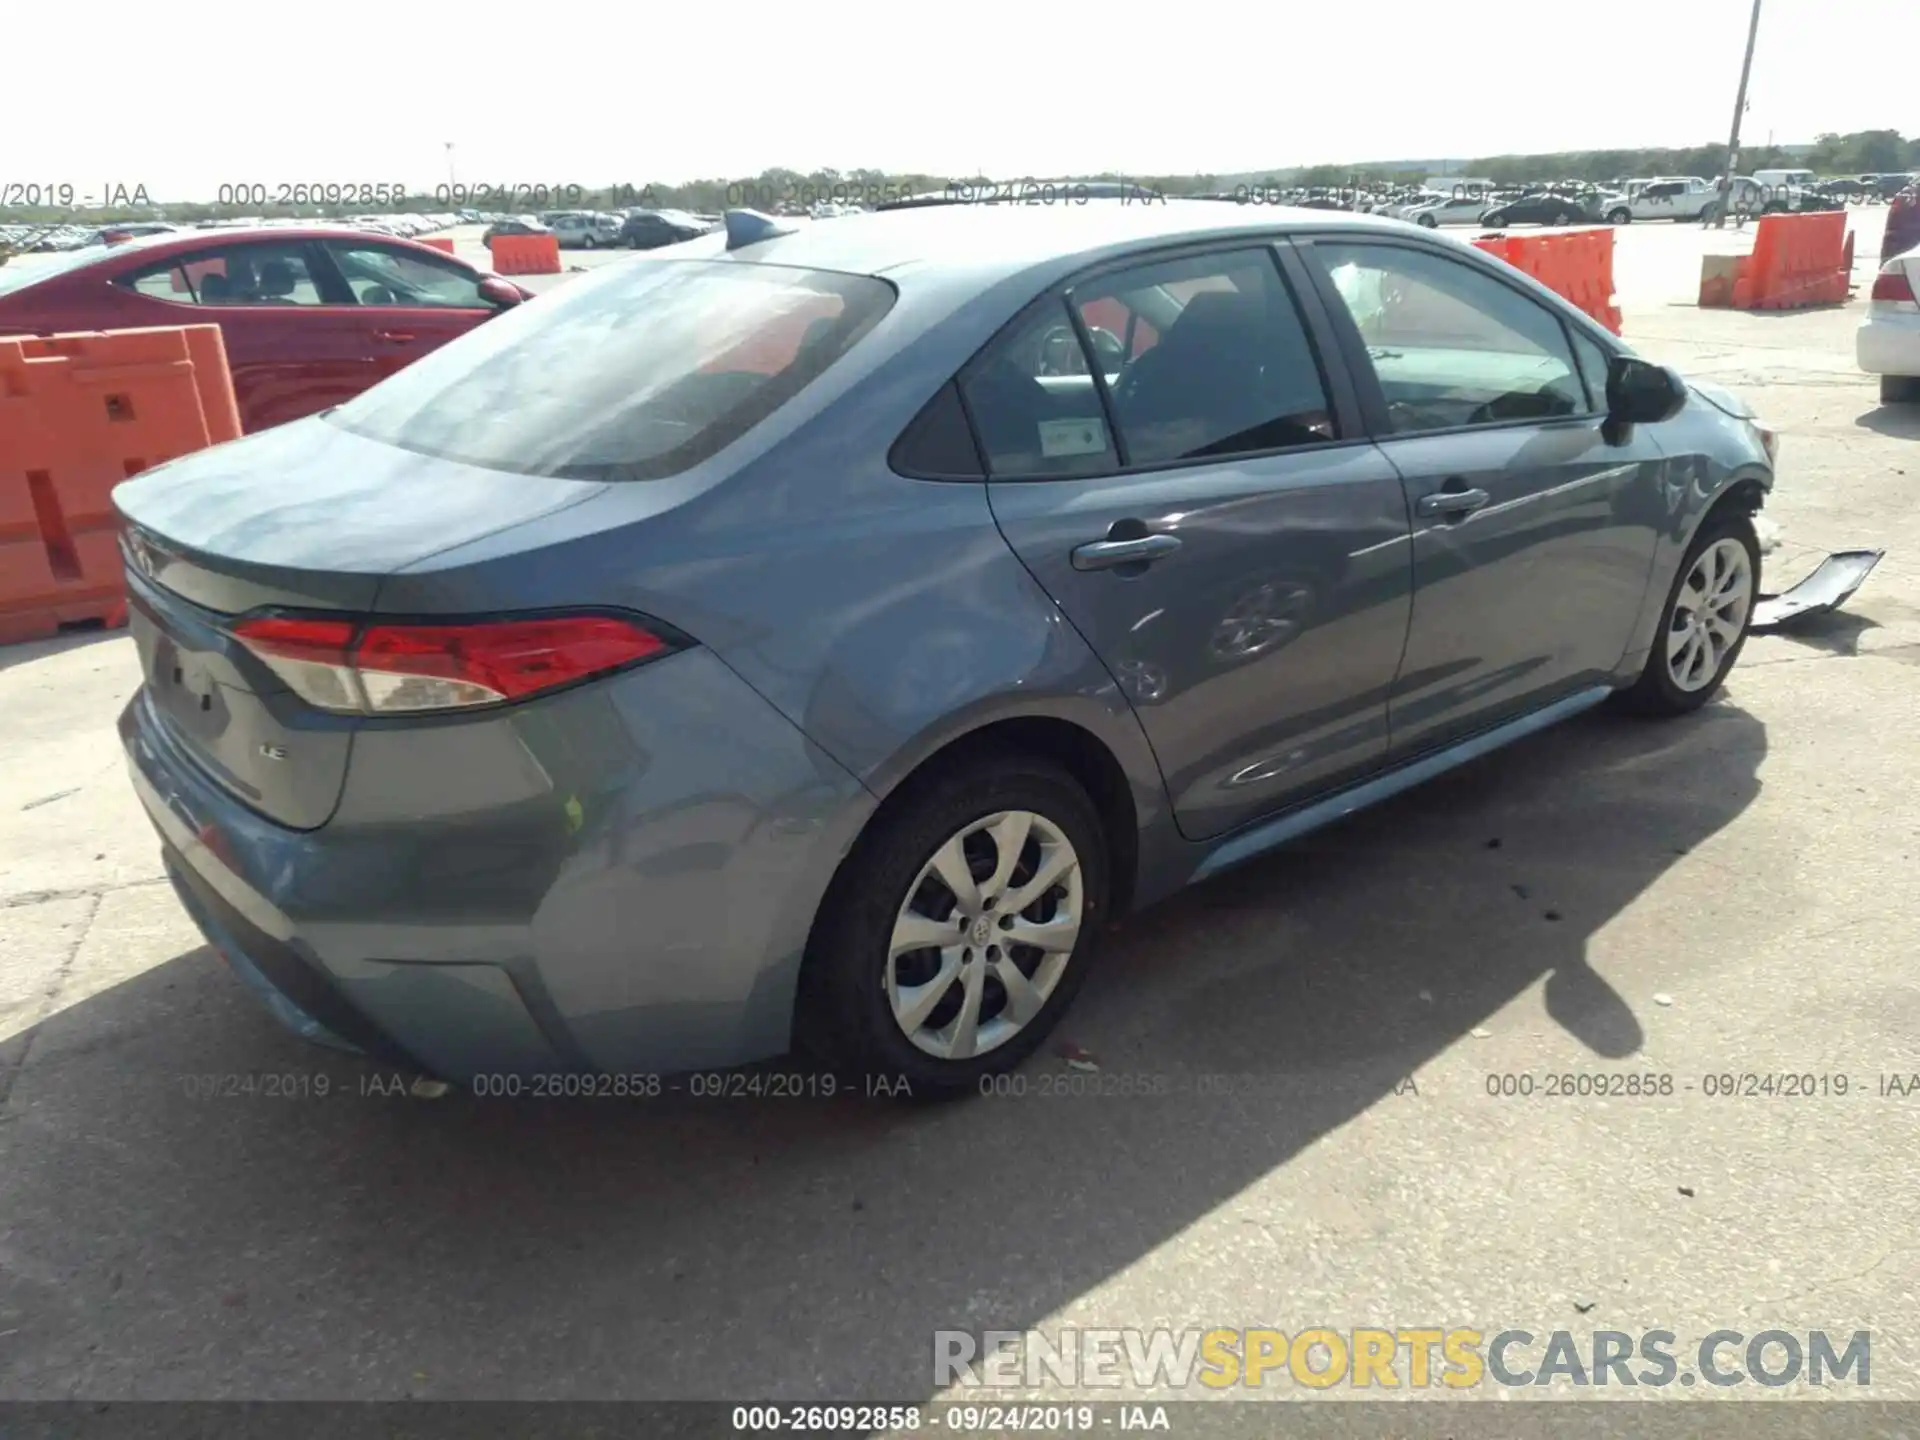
[(1829, 587)]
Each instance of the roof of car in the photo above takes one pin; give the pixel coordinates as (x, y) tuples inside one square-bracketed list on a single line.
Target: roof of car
[(227, 234), (183, 242), (1010, 238)]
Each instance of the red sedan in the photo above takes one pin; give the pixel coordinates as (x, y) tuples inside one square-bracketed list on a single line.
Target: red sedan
[(311, 315)]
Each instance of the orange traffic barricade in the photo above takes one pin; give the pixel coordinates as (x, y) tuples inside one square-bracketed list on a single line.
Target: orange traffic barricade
[(1576, 265), (1798, 261), (439, 242), (79, 414), (525, 254)]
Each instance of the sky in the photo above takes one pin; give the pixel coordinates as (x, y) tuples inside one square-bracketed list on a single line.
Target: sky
[(592, 93)]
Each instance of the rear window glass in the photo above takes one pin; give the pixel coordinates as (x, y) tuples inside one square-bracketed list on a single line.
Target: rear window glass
[(635, 374), (25, 270)]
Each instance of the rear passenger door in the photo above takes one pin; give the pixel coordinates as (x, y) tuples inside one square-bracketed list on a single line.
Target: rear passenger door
[(1201, 505), (1534, 525)]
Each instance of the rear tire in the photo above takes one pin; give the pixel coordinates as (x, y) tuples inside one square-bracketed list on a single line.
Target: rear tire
[(1678, 677), (866, 1011), (1900, 390)]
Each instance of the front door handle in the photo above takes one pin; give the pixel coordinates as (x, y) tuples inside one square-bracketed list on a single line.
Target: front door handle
[(1139, 550), (395, 337), (1450, 503)]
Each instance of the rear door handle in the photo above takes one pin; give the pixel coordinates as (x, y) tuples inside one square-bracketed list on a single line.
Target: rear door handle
[(1140, 550), (1450, 502), (395, 337)]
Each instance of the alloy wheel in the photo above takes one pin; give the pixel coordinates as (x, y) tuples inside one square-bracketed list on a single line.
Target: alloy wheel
[(1709, 614), (985, 934)]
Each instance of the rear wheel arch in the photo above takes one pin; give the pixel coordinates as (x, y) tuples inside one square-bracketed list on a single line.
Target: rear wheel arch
[(1072, 746), (825, 1019)]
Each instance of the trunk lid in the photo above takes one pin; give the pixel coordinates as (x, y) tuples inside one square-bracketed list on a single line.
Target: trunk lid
[(305, 516)]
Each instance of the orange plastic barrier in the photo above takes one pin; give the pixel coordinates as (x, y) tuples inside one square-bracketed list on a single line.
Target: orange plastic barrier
[(1797, 261), (439, 242), (525, 254), (1575, 264), (79, 414)]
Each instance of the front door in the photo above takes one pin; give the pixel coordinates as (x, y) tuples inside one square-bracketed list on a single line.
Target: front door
[(408, 304), (1533, 532), (1207, 517), (291, 350)]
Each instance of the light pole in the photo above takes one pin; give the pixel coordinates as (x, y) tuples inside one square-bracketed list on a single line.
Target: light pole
[(1739, 109), (452, 183)]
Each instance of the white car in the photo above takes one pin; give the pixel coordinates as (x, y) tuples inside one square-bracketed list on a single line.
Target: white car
[(1888, 343), (1449, 210), (1667, 197), (1400, 209)]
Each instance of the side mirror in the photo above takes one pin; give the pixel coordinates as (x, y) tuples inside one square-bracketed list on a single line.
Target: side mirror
[(499, 293), (1642, 393)]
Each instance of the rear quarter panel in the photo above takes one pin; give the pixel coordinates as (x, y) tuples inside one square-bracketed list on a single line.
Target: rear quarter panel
[(884, 617)]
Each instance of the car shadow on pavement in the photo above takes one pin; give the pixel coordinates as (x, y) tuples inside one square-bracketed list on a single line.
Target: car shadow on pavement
[(1900, 421), (77, 638), (1831, 632), (169, 1237)]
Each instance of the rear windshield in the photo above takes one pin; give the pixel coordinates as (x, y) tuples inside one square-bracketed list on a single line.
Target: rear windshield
[(637, 373), (24, 270)]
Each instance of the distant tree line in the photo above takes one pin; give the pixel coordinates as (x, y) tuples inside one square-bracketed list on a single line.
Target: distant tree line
[(1863, 152)]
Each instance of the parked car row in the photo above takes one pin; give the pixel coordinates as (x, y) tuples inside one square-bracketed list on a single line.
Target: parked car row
[(1571, 202), (28, 239), (640, 228)]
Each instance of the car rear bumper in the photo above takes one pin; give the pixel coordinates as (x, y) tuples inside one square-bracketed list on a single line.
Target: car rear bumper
[(1889, 345), (619, 878)]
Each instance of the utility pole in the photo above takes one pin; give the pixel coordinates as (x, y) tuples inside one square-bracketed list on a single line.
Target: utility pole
[(1739, 110), (452, 183)]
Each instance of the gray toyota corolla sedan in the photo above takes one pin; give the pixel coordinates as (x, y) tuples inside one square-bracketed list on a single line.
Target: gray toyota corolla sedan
[(813, 634)]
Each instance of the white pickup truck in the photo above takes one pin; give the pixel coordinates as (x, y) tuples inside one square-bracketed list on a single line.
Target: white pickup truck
[(1666, 197)]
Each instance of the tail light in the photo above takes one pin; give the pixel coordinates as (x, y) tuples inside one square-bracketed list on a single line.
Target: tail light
[(1892, 284), (355, 667)]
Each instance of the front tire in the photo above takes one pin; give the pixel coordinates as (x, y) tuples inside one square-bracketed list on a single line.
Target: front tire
[(1899, 390), (1428, 222), (1621, 216), (1703, 627), (959, 929)]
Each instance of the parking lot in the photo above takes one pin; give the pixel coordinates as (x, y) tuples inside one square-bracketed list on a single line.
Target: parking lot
[(1730, 894)]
